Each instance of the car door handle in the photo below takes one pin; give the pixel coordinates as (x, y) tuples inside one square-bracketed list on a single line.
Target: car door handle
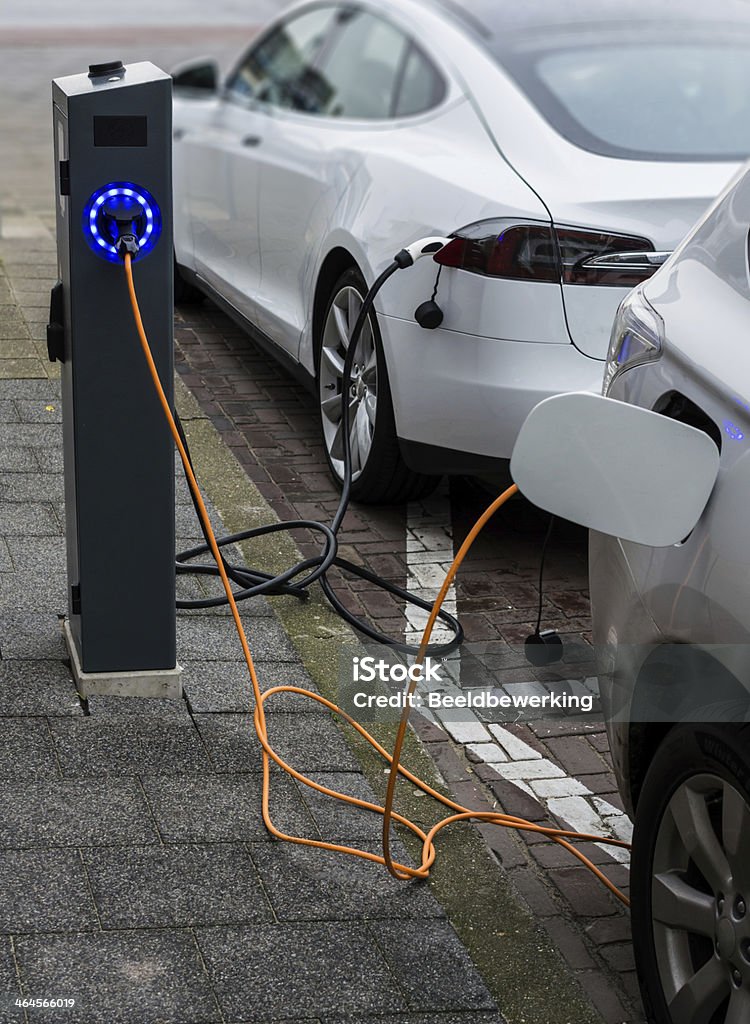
[(252, 140)]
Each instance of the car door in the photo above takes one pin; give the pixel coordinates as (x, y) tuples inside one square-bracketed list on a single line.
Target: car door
[(312, 148), (224, 224), (272, 75), (225, 157)]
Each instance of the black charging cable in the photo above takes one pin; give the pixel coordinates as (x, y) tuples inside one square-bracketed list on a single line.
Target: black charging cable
[(543, 647), (297, 580)]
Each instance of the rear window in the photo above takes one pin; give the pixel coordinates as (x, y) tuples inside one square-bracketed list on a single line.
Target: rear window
[(644, 100), (668, 80)]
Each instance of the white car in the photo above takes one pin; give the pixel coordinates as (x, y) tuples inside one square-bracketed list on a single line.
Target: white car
[(569, 146)]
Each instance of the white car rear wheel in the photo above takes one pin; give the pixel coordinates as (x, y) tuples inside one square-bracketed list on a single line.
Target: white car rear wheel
[(379, 474)]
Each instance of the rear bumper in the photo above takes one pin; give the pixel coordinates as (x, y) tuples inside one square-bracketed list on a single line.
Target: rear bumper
[(471, 394)]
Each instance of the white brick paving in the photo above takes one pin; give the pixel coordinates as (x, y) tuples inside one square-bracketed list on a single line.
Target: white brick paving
[(513, 746), (545, 788), (490, 753), (528, 770), (577, 812), (467, 731)]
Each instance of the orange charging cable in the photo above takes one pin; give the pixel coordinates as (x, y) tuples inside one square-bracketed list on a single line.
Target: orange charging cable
[(460, 813)]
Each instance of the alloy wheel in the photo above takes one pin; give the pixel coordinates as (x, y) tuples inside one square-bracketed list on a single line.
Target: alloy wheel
[(699, 910), (363, 386)]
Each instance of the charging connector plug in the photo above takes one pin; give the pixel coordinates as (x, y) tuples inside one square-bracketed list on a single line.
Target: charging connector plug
[(127, 243), (424, 247)]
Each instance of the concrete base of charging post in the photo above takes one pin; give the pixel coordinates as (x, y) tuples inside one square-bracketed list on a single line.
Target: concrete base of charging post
[(160, 683)]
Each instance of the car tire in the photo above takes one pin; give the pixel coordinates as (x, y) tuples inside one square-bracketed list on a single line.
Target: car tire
[(380, 476), (690, 879), (185, 294)]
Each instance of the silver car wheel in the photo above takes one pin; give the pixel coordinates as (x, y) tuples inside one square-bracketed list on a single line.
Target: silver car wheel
[(699, 892), (363, 386)]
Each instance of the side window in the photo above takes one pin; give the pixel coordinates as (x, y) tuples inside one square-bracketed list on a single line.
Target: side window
[(280, 69), (360, 69), (422, 86)]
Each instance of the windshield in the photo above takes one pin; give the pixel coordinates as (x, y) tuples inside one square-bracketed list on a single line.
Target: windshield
[(615, 79)]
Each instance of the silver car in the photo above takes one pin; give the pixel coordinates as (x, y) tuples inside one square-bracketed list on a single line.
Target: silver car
[(659, 469), (673, 627)]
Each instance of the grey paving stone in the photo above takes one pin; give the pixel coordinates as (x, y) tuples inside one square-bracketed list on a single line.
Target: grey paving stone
[(8, 409), (66, 813), (272, 971), (129, 978), (250, 609), (25, 635), (50, 460), (339, 822), (23, 519), (31, 435), (128, 745), (446, 979), (26, 750), (225, 808), (190, 588), (183, 542), (44, 891), (310, 743), (40, 390), (27, 594), (212, 638), (40, 559), (146, 707), (224, 687), (307, 884), (176, 886), (31, 486), (17, 460), (6, 562), (9, 987), (37, 688), (39, 410), (187, 522)]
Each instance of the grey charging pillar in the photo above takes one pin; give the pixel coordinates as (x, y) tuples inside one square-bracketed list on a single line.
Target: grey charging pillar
[(113, 170)]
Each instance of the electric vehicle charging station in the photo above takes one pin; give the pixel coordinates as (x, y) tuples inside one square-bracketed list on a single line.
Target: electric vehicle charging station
[(113, 172)]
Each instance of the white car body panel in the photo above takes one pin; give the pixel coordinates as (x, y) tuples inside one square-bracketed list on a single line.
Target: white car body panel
[(481, 389), (266, 217), (225, 250)]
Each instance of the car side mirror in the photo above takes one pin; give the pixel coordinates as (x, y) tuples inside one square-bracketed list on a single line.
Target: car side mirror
[(615, 468), (200, 76)]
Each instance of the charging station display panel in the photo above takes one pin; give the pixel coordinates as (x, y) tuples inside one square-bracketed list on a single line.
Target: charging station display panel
[(113, 161)]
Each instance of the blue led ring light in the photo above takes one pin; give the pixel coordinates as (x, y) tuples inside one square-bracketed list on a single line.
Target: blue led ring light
[(101, 227)]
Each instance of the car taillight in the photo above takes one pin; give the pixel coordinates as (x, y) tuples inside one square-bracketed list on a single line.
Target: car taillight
[(540, 252)]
